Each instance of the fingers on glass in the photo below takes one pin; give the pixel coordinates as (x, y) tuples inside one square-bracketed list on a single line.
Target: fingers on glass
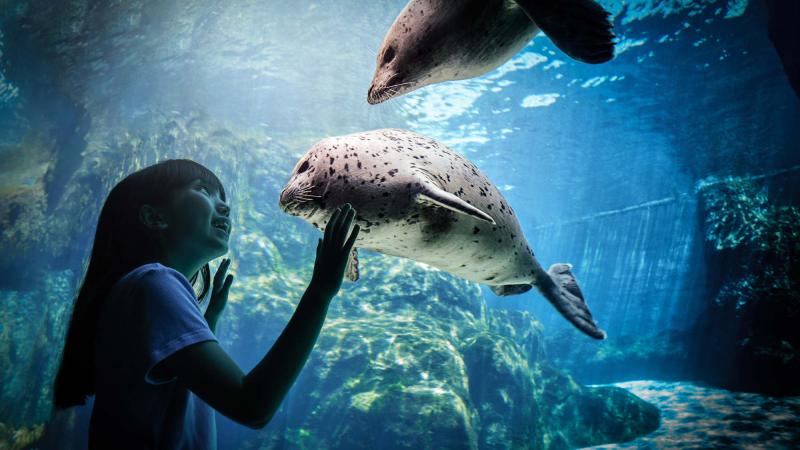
[(338, 226), (352, 239), (220, 271), (345, 212), (332, 225), (329, 227), (228, 281), (344, 230)]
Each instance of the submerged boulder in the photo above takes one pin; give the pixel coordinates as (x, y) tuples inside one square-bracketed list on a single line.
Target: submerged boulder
[(410, 357), (754, 245)]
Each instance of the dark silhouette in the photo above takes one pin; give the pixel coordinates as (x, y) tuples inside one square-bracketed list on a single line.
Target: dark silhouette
[(785, 35)]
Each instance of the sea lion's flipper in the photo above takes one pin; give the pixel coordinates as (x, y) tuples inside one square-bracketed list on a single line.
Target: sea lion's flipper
[(510, 289), (440, 197), (563, 292), (351, 271), (580, 28)]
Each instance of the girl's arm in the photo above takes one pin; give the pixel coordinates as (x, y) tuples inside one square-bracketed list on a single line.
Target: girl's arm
[(253, 399)]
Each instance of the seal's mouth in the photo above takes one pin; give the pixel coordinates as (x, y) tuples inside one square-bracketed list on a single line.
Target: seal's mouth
[(393, 87), (296, 201), (375, 96)]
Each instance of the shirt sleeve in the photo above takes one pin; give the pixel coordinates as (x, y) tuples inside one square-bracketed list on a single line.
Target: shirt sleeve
[(169, 319)]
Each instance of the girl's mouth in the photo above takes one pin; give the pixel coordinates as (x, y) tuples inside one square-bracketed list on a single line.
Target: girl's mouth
[(223, 226)]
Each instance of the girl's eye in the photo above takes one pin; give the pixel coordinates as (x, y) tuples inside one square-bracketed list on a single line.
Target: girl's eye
[(205, 189)]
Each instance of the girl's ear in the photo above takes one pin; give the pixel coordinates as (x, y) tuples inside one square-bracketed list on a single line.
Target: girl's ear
[(152, 218)]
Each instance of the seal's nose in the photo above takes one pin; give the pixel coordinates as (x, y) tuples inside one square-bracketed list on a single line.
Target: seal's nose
[(369, 93), (284, 198)]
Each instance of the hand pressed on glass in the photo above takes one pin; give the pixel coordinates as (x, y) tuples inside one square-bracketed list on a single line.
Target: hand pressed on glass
[(333, 251)]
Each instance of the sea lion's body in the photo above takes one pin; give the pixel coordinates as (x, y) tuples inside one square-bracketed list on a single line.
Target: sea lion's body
[(417, 199)]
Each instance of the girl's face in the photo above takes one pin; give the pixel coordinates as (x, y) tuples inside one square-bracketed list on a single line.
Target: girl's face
[(199, 223)]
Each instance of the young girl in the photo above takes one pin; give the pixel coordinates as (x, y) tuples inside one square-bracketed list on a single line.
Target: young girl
[(138, 339)]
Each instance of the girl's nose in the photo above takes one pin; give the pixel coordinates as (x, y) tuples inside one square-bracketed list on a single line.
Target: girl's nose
[(224, 210)]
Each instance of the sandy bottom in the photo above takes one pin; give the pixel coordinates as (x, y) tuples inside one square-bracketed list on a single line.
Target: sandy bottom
[(694, 416)]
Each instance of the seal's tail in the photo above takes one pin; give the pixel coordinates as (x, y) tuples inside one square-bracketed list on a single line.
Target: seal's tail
[(566, 296)]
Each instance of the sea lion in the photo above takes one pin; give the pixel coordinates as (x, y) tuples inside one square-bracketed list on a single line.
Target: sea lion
[(439, 40), (415, 198)]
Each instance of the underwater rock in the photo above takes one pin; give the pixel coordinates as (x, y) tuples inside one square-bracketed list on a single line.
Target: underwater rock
[(564, 415), (32, 324), (410, 356), (589, 415), (20, 438), (696, 416), (748, 338)]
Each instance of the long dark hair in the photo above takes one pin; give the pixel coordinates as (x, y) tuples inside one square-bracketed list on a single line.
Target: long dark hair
[(121, 243)]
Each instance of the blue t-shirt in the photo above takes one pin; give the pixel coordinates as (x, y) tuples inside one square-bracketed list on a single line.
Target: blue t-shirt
[(150, 313)]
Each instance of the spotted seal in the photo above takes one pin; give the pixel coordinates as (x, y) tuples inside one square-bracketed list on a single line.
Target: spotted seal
[(439, 40), (415, 198)]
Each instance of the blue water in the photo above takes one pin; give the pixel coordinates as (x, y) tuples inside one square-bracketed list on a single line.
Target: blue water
[(600, 162)]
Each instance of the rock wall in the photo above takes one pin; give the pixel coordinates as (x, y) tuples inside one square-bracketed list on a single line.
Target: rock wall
[(746, 337)]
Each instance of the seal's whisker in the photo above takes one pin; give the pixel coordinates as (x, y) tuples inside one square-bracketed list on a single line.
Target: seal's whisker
[(306, 190), (400, 84), (388, 94)]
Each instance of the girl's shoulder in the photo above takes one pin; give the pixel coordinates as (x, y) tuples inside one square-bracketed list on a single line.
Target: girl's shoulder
[(150, 269)]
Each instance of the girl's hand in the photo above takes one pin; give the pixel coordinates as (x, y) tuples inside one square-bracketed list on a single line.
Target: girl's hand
[(333, 252), (219, 292)]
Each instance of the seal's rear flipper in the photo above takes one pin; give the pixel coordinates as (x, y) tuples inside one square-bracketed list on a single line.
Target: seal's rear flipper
[(580, 28), (510, 289), (566, 296)]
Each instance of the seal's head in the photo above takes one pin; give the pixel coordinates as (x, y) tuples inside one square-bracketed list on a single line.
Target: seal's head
[(420, 48), (368, 170), (322, 180), (302, 195), (432, 41)]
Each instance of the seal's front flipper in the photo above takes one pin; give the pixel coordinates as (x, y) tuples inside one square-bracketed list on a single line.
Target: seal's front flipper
[(351, 271), (563, 292), (580, 28), (440, 197), (510, 289)]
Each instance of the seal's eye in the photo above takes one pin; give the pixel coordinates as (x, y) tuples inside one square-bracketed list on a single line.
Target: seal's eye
[(303, 167), (388, 55)]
